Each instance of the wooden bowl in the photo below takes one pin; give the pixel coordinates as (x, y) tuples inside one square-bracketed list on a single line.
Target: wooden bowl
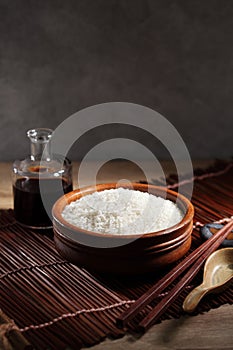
[(123, 254)]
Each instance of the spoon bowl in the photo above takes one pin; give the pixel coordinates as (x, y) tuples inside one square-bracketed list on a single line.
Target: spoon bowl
[(218, 274)]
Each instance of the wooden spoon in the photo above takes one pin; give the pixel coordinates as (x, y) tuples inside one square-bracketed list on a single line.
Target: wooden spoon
[(218, 273)]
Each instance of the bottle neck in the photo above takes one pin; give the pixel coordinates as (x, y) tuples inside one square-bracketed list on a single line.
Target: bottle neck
[(40, 144), (40, 151)]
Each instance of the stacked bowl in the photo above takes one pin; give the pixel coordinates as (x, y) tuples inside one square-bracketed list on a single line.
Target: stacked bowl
[(131, 254)]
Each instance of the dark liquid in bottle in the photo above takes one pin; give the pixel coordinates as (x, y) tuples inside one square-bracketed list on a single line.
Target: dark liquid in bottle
[(29, 205)]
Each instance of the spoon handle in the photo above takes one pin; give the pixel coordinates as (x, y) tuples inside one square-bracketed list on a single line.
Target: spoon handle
[(193, 298)]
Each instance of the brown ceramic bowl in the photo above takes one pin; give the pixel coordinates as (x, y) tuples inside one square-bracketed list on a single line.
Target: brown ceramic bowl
[(123, 254)]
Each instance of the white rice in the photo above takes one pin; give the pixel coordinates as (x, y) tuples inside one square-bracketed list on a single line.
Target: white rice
[(122, 211)]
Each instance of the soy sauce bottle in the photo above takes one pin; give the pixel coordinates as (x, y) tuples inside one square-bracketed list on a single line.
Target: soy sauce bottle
[(39, 180)]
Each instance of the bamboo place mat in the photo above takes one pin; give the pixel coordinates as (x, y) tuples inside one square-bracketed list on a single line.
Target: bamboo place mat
[(57, 305)]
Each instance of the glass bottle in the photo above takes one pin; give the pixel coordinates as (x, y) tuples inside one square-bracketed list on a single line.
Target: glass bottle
[(39, 180)]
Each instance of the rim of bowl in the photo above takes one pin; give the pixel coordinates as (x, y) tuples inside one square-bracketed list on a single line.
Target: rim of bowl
[(69, 242), (80, 192)]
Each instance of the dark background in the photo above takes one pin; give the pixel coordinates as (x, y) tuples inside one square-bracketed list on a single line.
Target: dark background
[(175, 57)]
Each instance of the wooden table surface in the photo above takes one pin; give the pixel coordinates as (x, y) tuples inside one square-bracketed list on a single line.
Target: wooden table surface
[(212, 330)]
